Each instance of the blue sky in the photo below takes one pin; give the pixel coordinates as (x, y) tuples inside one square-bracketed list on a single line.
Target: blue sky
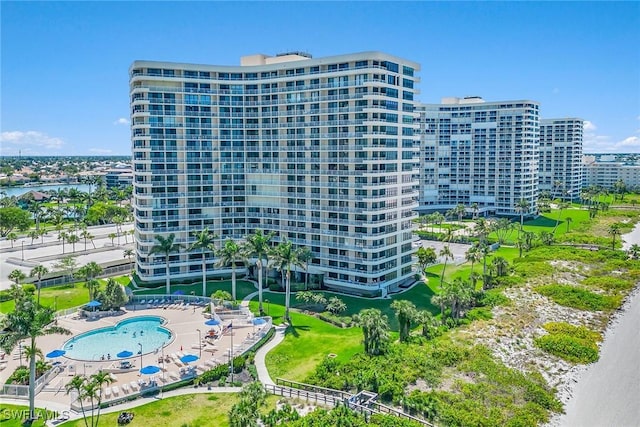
[(65, 65)]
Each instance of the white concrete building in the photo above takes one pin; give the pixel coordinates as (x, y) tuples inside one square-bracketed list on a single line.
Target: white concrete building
[(320, 151), (474, 151), (605, 174), (561, 157)]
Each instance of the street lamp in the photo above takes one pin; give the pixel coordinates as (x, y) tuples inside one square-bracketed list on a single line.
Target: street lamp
[(267, 301), (140, 344), (22, 250), (200, 341)]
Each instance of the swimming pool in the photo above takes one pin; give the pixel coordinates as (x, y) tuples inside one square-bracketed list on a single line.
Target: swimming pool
[(126, 335)]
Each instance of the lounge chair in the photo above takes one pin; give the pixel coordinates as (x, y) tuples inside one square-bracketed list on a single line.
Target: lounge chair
[(116, 390), (210, 363), (113, 377), (125, 388), (174, 375), (107, 392), (134, 386)]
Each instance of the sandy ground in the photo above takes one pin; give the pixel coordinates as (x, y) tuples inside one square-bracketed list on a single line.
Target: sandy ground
[(607, 393)]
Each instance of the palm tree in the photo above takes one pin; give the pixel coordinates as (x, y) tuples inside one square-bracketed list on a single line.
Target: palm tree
[(88, 273), (445, 253), (473, 255), (89, 389), (568, 220), (614, 230), (166, 246), (426, 257), (405, 313), (285, 257), (12, 237), (634, 251), (28, 321), (305, 256), (62, 236), (459, 210), (231, 253), (500, 265), (522, 207), (475, 209), (205, 242), (546, 238), (375, 328), (428, 322), (17, 276), (38, 271), (128, 253), (86, 235), (258, 247), (73, 239)]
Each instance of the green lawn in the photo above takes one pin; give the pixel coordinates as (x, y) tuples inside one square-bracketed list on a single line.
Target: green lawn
[(307, 342), (193, 410), (12, 415), (243, 288), (66, 296)]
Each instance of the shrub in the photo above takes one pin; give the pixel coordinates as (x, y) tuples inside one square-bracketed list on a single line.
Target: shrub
[(608, 283), (572, 343), (571, 296), (493, 298), (568, 348)]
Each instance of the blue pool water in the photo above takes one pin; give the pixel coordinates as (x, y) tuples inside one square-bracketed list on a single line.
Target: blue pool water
[(126, 335)]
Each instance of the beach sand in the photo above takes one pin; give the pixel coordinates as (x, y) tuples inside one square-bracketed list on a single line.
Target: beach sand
[(607, 393)]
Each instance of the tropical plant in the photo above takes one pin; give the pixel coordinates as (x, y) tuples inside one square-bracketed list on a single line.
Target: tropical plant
[(426, 257), (39, 271), (17, 276), (546, 238), (500, 265), (128, 253), (231, 253), (246, 412), (522, 207), (12, 237), (258, 245), (205, 242), (405, 314), (73, 239), (429, 324), (336, 305), (89, 272), (166, 246), (89, 390), (285, 257), (614, 230), (28, 321), (375, 329), (445, 253)]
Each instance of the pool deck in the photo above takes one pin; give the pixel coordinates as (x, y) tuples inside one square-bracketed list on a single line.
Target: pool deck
[(183, 322)]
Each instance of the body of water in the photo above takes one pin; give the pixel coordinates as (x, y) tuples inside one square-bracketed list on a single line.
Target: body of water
[(127, 335), (19, 191)]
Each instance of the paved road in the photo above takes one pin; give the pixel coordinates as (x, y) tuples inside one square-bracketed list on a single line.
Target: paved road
[(49, 250)]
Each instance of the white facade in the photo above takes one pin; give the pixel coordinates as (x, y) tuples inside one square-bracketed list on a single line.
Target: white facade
[(561, 157), (479, 152), (605, 174), (320, 151)]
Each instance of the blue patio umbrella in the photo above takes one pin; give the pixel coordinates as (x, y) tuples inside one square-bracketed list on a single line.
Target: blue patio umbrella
[(188, 358), (212, 322), (150, 370), (125, 353), (94, 303), (55, 353), (258, 321), (178, 292)]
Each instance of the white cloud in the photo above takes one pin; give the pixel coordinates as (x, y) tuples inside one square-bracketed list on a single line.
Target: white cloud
[(100, 151), (594, 143), (28, 142), (121, 121)]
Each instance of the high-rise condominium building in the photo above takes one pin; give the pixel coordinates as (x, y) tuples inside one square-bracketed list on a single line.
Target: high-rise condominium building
[(320, 151), (477, 152), (561, 157)]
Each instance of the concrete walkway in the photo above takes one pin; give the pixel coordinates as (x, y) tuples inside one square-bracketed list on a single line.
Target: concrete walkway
[(261, 354)]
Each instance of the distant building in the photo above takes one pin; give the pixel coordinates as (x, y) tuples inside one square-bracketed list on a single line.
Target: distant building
[(560, 161), (606, 173), (474, 151), (120, 177)]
